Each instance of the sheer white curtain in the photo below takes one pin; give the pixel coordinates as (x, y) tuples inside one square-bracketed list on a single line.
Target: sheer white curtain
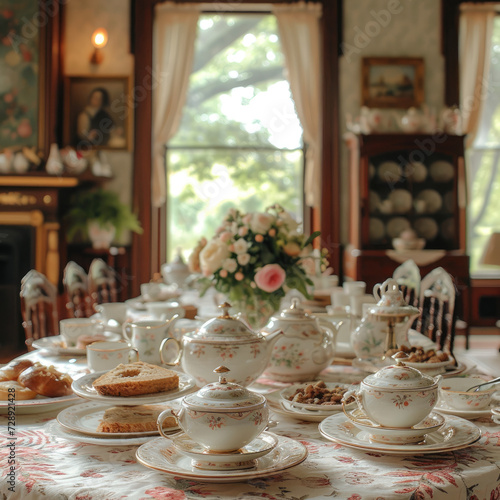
[(174, 38), (299, 29), (476, 27)]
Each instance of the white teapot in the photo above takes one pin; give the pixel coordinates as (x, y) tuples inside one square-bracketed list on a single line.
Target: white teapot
[(306, 347), (223, 339), (397, 395), (221, 416)]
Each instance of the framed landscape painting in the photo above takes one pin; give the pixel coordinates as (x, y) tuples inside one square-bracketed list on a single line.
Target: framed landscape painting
[(392, 82), (97, 112)]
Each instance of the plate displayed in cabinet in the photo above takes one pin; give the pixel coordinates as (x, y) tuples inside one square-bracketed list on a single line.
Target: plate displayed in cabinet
[(401, 200), (432, 199), (442, 171), (426, 228), (389, 171), (396, 226), (448, 201), (377, 229), (416, 171)]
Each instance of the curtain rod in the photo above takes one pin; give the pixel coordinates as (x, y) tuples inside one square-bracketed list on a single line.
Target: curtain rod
[(483, 7)]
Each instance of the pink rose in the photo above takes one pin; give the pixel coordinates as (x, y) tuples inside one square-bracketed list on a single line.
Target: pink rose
[(270, 277), (225, 236)]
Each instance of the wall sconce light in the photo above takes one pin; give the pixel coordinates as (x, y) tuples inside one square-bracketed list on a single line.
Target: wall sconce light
[(99, 40)]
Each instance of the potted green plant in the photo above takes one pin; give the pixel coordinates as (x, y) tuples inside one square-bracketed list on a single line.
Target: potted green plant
[(99, 215)]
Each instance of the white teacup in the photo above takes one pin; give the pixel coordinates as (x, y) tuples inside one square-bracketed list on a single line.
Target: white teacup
[(164, 309), (357, 301), (103, 356), (146, 336), (113, 311), (71, 328), (354, 287)]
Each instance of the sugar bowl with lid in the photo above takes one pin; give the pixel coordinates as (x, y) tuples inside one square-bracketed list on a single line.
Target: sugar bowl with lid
[(397, 395), (223, 339), (222, 416)]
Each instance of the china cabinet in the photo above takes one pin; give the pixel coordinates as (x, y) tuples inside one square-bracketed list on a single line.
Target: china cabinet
[(400, 182)]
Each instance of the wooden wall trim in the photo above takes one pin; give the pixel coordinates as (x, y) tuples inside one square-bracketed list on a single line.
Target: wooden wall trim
[(142, 267)]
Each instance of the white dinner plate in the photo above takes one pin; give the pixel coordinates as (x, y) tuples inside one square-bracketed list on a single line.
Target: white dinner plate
[(83, 387), (55, 344), (160, 454), (374, 201), (426, 228), (56, 429), (442, 171), (396, 226), (401, 200), (432, 199), (39, 404), (389, 171), (456, 433), (416, 171), (85, 418)]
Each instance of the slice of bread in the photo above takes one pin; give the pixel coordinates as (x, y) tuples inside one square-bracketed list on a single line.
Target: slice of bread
[(134, 379), (133, 419)]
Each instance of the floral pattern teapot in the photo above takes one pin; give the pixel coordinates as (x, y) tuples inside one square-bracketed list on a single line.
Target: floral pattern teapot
[(306, 348), (222, 340)]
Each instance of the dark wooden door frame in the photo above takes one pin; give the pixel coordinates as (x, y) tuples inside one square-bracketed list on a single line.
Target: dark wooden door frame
[(142, 46)]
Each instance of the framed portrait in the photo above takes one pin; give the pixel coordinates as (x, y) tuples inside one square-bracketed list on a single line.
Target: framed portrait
[(392, 82), (97, 112)]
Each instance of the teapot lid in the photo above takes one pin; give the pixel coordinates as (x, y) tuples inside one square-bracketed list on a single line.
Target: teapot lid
[(399, 376), (295, 311), (224, 328), (223, 395), (392, 302)]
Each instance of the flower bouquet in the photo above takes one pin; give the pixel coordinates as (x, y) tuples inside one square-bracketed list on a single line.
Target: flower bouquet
[(254, 258)]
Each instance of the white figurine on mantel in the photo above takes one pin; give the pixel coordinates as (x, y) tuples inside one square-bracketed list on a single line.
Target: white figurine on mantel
[(54, 165), (20, 163), (6, 158), (101, 166)]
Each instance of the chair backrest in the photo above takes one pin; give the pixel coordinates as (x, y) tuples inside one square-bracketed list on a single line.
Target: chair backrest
[(437, 303), (102, 283), (408, 278), (76, 287), (38, 307)]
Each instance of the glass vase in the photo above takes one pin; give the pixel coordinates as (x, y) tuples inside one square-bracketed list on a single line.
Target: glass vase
[(254, 310)]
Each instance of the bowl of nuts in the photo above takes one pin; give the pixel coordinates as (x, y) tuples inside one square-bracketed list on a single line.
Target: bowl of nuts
[(317, 396), (430, 361)]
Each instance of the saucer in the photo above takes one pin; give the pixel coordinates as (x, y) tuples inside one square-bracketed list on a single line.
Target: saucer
[(393, 435), (442, 407), (283, 407), (54, 344), (244, 458), (83, 388), (161, 454), (454, 434)]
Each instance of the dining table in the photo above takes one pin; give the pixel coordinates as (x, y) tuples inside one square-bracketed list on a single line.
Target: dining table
[(41, 459)]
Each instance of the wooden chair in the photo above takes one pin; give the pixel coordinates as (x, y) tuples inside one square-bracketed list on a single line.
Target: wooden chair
[(437, 302), (38, 307), (102, 283), (408, 277), (76, 287)]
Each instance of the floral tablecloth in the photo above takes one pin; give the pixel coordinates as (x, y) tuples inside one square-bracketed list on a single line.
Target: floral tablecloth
[(51, 467)]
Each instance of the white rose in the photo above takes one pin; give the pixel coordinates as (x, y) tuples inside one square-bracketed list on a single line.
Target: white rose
[(261, 223), (240, 246), (243, 259), (212, 256), (289, 222), (230, 265)]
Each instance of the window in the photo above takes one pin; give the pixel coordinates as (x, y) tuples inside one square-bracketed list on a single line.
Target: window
[(240, 141), (483, 164)]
